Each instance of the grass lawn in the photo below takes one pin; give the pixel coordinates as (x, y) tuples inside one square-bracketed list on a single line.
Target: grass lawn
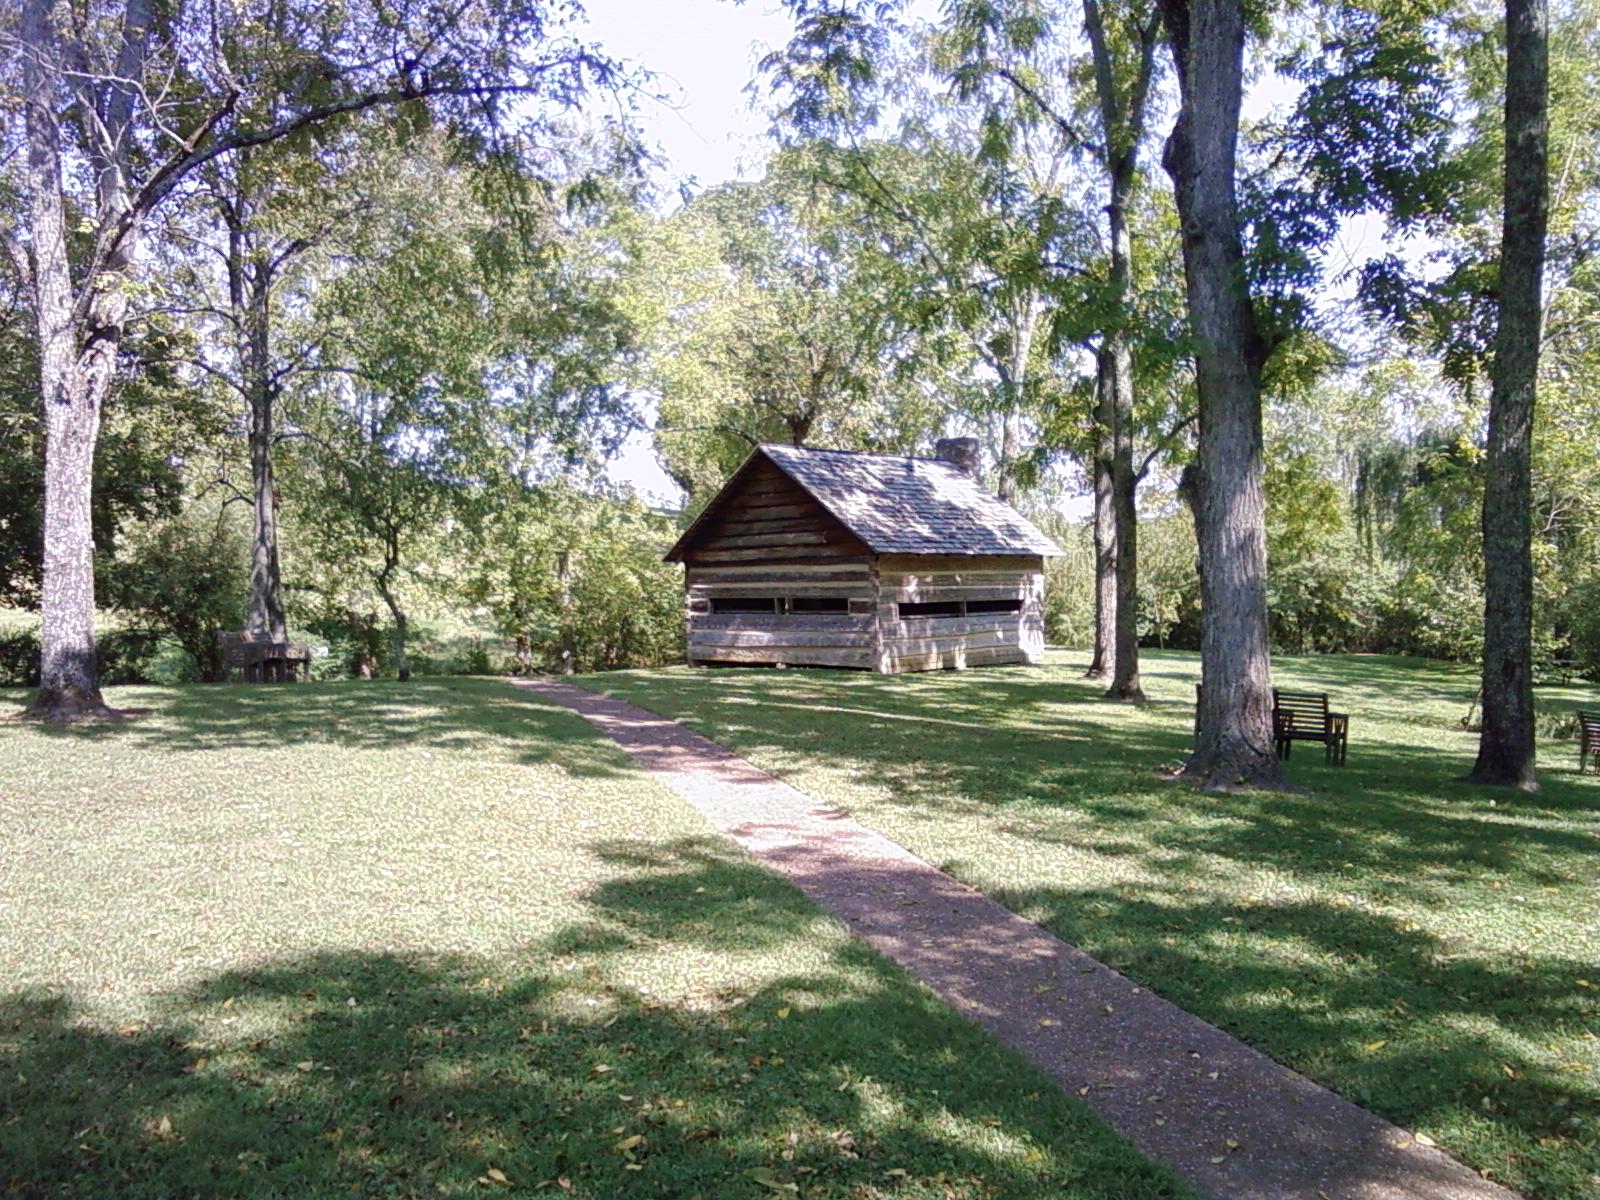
[(364, 939), (1429, 949)]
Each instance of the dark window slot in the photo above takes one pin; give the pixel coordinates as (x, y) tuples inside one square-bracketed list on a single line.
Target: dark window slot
[(974, 607), (745, 604), (933, 608), (819, 604)]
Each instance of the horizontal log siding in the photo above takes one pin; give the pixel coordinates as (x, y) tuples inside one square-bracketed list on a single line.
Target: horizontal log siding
[(980, 639), (793, 639), (769, 519)]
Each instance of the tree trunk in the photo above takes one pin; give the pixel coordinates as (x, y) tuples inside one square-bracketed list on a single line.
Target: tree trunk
[(363, 661), (564, 579), (1235, 743), (1122, 120), (402, 664), (265, 611), (1013, 388), (1124, 481), (1103, 663), (73, 385), (251, 297), (1506, 742)]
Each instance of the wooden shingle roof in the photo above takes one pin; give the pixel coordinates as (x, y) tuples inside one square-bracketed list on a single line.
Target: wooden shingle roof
[(899, 505)]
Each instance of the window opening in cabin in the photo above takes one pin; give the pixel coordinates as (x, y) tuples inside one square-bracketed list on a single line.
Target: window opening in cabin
[(957, 608), (974, 607), (931, 608), (782, 605), (819, 604), (746, 604)]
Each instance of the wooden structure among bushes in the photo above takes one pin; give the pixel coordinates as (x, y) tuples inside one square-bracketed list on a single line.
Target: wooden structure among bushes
[(261, 660), (841, 559)]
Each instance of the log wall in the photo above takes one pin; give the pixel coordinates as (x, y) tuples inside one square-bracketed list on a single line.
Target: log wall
[(978, 639), (871, 635), (771, 520), (847, 639)]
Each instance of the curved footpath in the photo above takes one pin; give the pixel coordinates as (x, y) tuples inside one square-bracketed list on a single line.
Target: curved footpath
[(1232, 1122)]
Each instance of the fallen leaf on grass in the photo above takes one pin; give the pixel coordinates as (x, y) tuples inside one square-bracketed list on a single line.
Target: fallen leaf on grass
[(768, 1180)]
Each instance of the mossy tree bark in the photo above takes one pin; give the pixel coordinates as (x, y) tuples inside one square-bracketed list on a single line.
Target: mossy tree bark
[(1506, 744)]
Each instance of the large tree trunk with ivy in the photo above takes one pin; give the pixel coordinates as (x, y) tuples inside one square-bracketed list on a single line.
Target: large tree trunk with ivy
[(1506, 744), (1235, 744)]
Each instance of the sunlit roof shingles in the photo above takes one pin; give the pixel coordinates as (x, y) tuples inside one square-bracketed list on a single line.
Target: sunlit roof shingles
[(899, 505)]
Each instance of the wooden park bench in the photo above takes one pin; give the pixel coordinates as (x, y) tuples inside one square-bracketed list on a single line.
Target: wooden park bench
[(260, 660), (1301, 717), (1304, 717), (1588, 740)]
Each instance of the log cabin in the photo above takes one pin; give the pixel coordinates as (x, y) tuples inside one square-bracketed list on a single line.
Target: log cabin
[(835, 558)]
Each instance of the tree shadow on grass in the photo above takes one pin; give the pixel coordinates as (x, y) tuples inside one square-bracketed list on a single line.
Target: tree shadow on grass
[(373, 1073), (482, 717)]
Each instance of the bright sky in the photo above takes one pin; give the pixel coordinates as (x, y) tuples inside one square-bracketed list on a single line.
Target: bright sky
[(704, 53)]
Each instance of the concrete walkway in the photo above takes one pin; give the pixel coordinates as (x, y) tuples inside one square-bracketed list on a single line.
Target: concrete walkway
[(1232, 1122)]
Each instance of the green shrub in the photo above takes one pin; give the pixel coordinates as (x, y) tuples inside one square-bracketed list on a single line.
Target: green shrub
[(128, 655), (185, 578), (19, 658), (573, 579)]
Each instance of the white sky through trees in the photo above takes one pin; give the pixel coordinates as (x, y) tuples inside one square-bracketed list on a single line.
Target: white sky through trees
[(704, 54)]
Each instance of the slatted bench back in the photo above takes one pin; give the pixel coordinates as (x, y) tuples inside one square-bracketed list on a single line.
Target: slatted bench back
[(1589, 727), (240, 649), (1306, 710)]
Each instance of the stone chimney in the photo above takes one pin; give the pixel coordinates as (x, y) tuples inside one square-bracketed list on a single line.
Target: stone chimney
[(961, 453)]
